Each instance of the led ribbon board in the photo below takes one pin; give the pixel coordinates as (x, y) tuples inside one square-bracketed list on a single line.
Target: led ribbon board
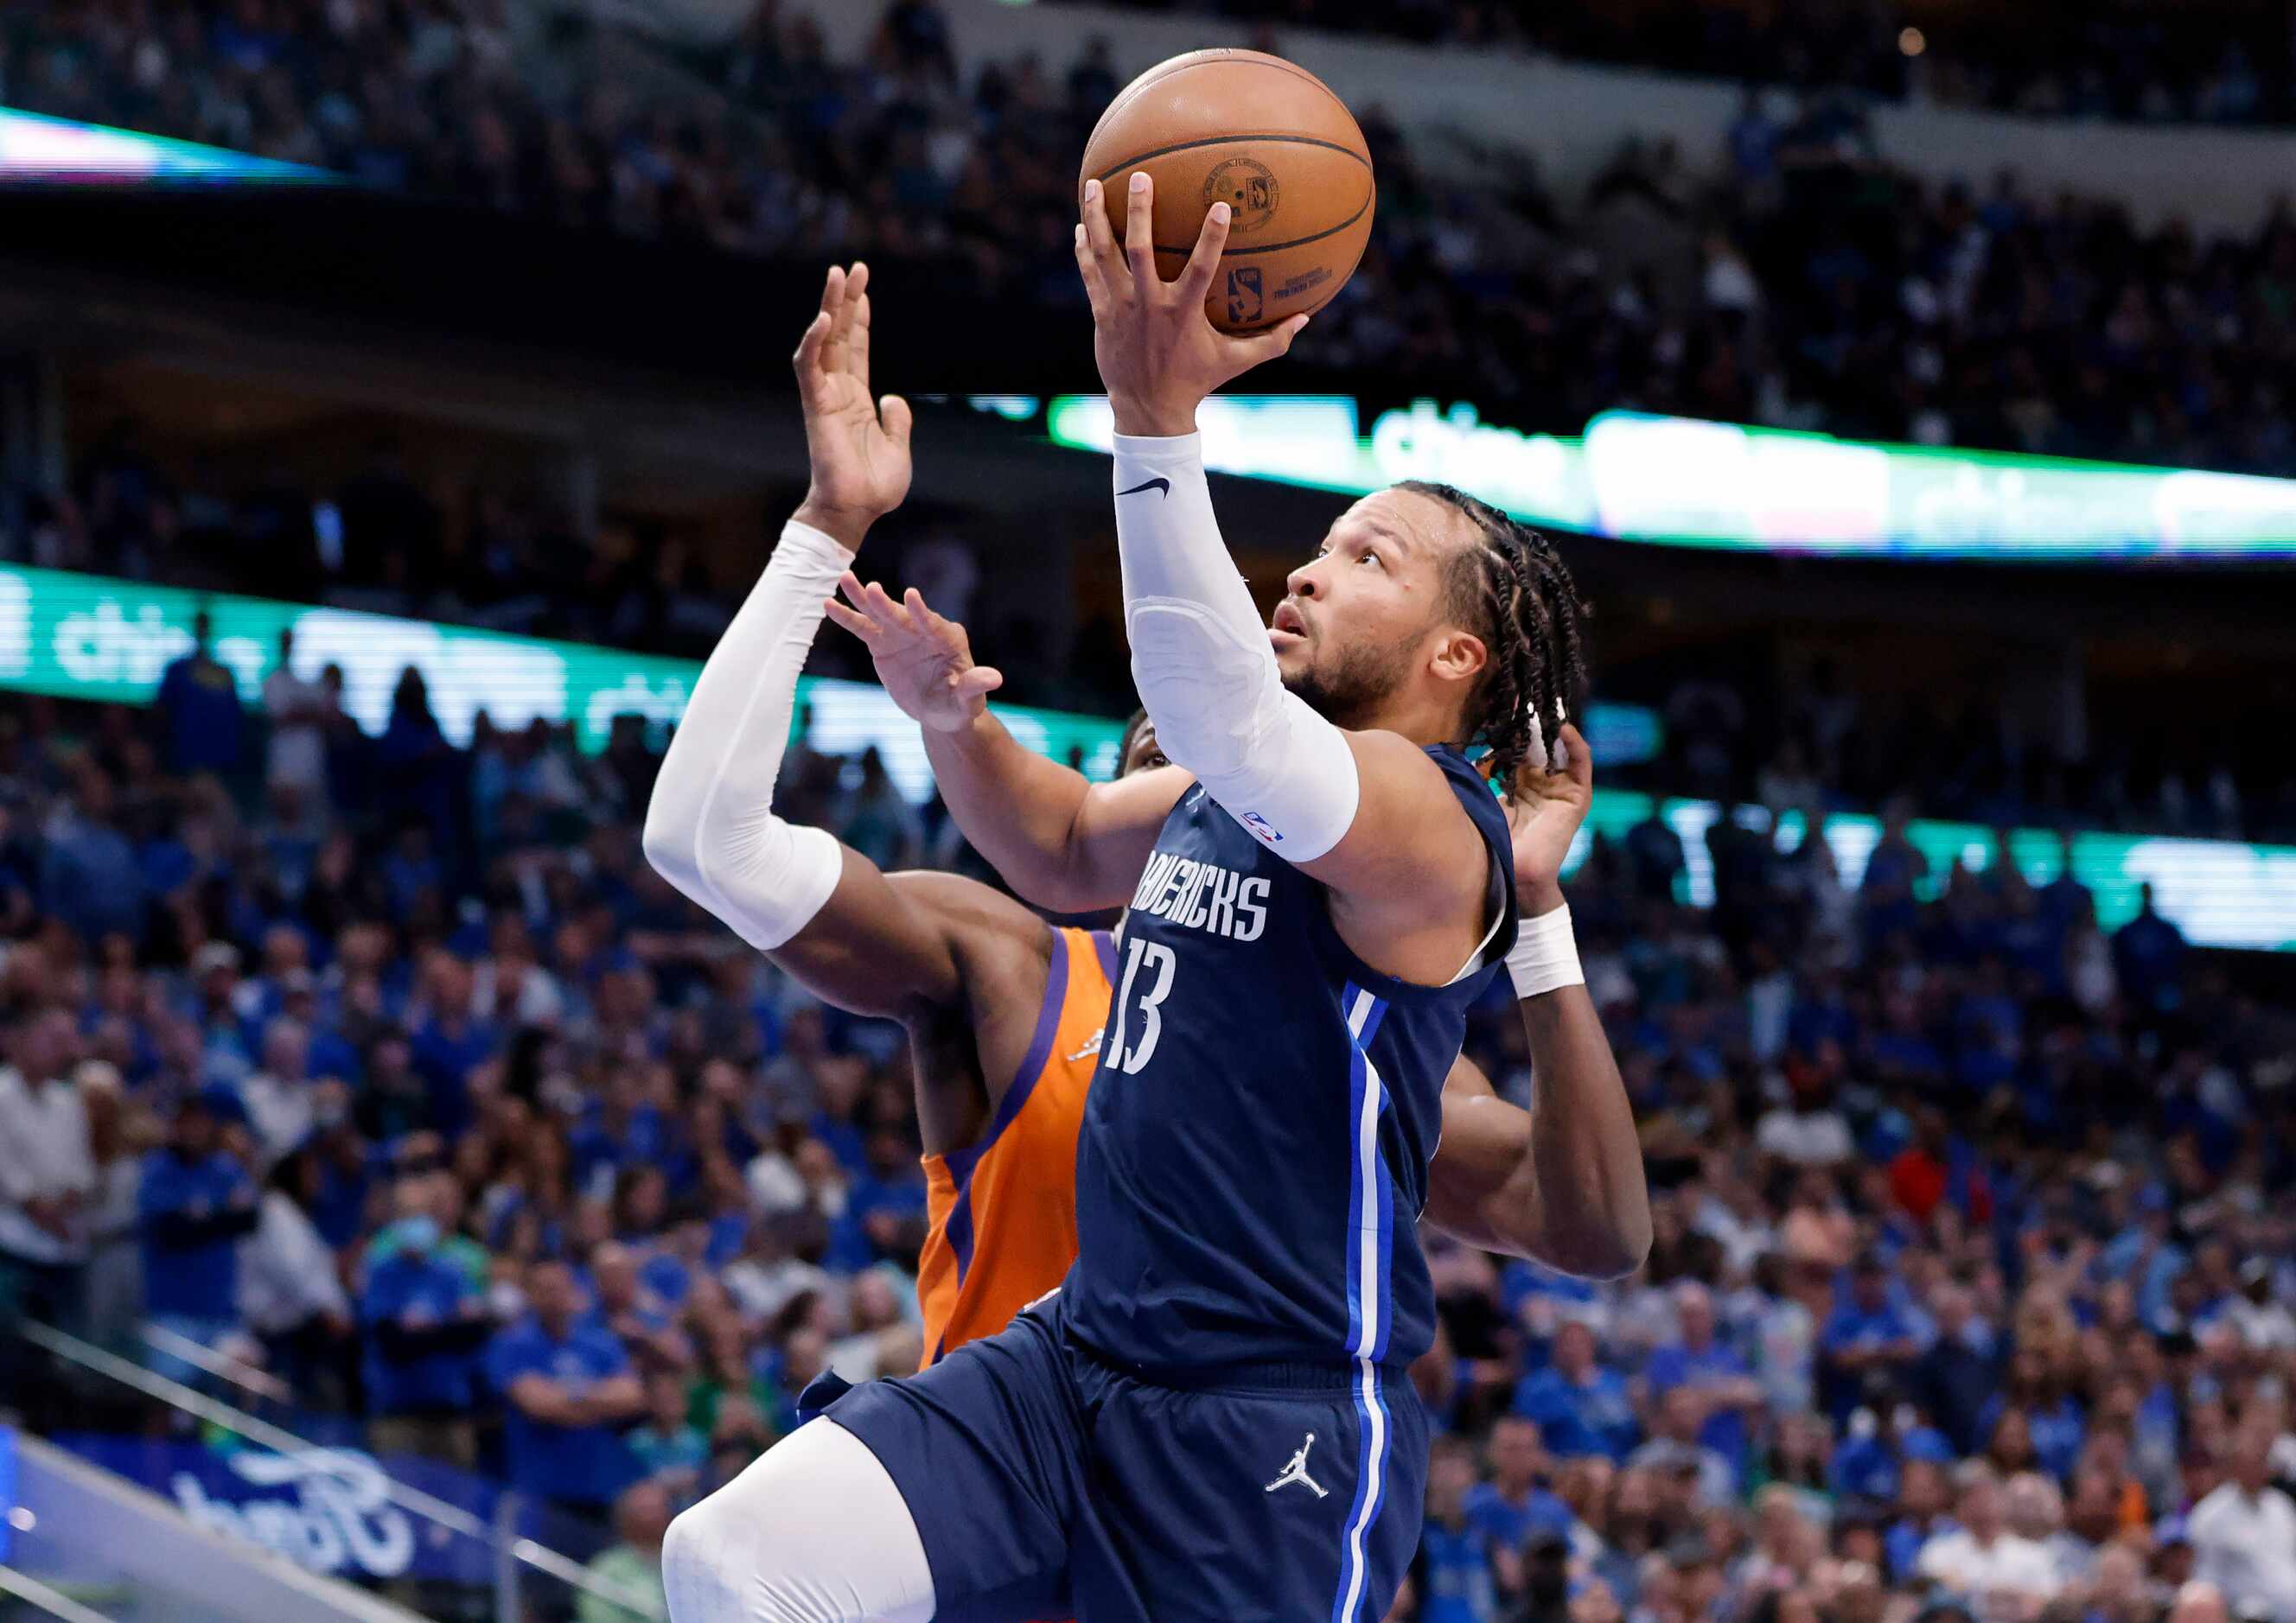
[(35, 147), (1678, 482), (88, 636), (84, 637), (2219, 892)]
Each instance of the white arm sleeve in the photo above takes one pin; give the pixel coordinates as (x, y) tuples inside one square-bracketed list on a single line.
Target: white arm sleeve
[(1205, 668), (710, 828)]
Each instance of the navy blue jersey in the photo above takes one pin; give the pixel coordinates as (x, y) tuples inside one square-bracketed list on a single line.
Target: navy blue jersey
[(1254, 1153)]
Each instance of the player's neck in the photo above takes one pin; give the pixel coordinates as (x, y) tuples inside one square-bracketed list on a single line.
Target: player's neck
[(1426, 719)]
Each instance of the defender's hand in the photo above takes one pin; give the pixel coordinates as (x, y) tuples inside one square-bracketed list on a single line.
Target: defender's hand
[(924, 661), (1159, 354), (859, 446), (1545, 807)]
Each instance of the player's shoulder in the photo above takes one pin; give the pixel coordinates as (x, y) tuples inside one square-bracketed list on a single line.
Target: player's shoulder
[(1438, 772), (1425, 791)]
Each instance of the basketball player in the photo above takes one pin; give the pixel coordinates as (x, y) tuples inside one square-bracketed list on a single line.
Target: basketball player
[(956, 961)]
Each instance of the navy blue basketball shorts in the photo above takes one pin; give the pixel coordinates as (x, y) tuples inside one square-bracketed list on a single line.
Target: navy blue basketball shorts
[(1044, 1482)]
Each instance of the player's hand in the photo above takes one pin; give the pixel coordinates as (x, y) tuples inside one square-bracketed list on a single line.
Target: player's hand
[(859, 446), (1545, 808), (1159, 353), (924, 661)]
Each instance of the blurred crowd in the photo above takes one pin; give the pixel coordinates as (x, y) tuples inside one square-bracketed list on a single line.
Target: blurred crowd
[(1812, 738), (391, 1069), (2145, 61), (499, 554), (1789, 275)]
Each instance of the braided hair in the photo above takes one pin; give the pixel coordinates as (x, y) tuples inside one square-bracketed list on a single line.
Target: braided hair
[(1515, 592)]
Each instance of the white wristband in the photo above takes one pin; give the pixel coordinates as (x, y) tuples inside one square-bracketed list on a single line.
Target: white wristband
[(1546, 955)]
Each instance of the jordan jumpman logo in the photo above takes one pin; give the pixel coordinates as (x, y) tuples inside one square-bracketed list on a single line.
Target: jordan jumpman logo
[(1297, 1471)]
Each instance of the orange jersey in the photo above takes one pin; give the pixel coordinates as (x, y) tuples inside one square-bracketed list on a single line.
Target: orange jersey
[(1002, 1212)]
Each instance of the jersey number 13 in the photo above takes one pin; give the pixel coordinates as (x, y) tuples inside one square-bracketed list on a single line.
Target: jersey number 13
[(1133, 1040)]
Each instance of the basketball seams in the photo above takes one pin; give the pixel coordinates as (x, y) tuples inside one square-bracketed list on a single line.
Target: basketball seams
[(1240, 135), (1270, 247)]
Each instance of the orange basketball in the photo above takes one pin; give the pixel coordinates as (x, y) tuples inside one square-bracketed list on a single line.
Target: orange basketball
[(1273, 141)]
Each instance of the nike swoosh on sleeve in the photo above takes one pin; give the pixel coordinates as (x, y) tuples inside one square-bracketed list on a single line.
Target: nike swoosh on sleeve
[(1161, 487)]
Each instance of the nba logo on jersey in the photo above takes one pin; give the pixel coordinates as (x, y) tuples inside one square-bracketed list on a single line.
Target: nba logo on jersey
[(1260, 826)]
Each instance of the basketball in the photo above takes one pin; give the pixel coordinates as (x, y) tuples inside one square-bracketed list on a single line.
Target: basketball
[(1270, 139)]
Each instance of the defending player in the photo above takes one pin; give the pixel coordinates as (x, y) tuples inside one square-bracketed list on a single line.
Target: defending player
[(822, 913)]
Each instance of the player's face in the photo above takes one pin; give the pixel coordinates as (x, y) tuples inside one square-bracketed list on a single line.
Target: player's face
[(1367, 614), (1142, 752)]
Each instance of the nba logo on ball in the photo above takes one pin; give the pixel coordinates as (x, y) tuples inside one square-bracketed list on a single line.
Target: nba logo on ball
[(1244, 300), (1248, 187), (1261, 826)]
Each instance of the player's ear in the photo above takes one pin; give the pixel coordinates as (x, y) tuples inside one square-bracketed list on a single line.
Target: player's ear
[(1460, 656)]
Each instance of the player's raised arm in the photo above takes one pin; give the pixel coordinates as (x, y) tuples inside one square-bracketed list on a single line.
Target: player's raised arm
[(867, 943), (1061, 840), (1358, 806), (1561, 1182)]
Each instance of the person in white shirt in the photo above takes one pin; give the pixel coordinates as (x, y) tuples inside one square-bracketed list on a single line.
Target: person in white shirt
[(2244, 1533), (2036, 1509), (2262, 1319), (290, 1293), (280, 1099), (47, 1173), (510, 986), (2198, 1602), (119, 1133), (772, 1275), (2006, 1579), (1807, 1130), (297, 708)]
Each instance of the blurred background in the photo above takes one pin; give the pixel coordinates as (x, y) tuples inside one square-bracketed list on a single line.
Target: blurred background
[(394, 407)]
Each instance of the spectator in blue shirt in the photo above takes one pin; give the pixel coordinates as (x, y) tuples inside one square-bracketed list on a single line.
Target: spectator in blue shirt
[(639, 1318), (1865, 1463), (1955, 1377), (448, 1043), (1515, 1503), (2065, 898), (199, 707), (423, 1321), (1451, 1575), (196, 1203), (1722, 1379), (569, 1388), (885, 1205), (2149, 953), (2053, 1417), (89, 877), (1923, 1495), (1866, 1333), (1580, 1407)]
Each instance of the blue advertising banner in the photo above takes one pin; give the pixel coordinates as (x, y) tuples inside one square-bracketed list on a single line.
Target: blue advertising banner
[(7, 1489), (326, 1509)]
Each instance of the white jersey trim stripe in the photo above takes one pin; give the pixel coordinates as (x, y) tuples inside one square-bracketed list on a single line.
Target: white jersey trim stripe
[(1371, 1409)]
